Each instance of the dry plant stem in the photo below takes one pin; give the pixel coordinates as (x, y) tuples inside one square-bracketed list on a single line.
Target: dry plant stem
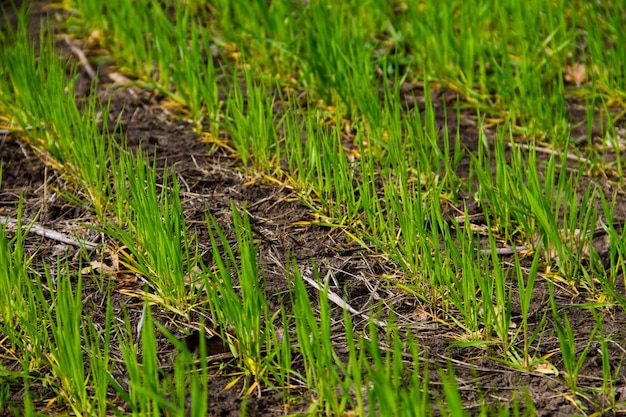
[(339, 301), (50, 234), (547, 151), (507, 251), (82, 58)]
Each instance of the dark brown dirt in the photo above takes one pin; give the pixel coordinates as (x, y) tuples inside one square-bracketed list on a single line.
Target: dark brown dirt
[(210, 180)]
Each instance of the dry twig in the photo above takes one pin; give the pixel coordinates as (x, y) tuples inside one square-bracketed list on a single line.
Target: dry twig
[(48, 233)]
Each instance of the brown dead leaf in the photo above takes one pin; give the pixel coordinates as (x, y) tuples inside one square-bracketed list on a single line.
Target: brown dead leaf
[(98, 266), (119, 79), (575, 74), (95, 38), (545, 368)]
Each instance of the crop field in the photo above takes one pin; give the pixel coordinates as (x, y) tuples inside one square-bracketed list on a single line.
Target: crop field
[(312, 208)]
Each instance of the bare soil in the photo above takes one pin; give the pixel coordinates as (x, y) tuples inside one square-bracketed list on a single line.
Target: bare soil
[(210, 180)]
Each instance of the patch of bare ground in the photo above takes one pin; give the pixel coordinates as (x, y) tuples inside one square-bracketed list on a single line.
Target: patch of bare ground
[(211, 181)]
